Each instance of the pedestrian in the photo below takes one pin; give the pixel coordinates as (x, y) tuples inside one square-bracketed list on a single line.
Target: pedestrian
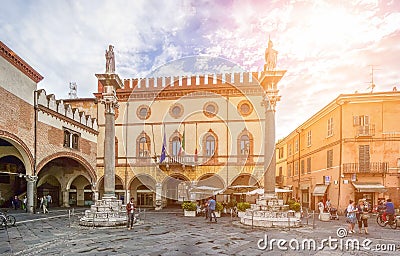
[(15, 203), (49, 200), (362, 216), (320, 208), (44, 204), (211, 208), (351, 216), (205, 206), (130, 211), (328, 205), (24, 206)]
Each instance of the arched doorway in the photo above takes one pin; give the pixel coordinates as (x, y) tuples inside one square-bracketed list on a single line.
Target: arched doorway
[(12, 182), (65, 178), (245, 182), (176, 189), (80, 192), (49, 185), (207, 185), (142, 188)]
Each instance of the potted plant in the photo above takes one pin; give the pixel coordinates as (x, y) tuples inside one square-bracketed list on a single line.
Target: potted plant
[(218, 209), (242, 207), (189, 209), (295, 206)]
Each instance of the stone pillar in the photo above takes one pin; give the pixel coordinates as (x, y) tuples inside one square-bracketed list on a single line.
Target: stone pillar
[(109, 153), (65, 197), (269, 151), (158, 196), (30, 194)]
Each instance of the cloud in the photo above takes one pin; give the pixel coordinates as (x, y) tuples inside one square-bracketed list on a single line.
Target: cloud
[(326, 46)]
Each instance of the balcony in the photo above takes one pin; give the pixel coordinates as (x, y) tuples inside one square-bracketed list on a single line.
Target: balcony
[(365, 131), (279, 179), (372, 167)]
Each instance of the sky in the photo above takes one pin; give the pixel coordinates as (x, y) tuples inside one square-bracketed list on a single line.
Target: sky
[(327, 47)]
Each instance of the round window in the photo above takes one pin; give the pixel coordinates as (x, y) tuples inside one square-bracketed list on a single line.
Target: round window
[(143, 112), (176, 110), (210, 109), (245, 108)]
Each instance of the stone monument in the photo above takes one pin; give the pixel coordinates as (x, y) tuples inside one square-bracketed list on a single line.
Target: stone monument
[(108, 211), (269, 211)]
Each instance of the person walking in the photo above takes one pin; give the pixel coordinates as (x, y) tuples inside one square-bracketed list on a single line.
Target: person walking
[(130, 211), (24, 206), (362, 216), (211, 209), (320, 208), (44, 204), (205, 206), (351, 216), (49, 200)]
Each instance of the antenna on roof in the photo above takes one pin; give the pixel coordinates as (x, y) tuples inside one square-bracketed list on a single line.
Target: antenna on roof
[(73, 90), (372, 85)]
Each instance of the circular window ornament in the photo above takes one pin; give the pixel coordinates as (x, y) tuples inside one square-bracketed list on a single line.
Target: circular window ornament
[(210, 109), (143, 112), (176, 110), (245, 108)]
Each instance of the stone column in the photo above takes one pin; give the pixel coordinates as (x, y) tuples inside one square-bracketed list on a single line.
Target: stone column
[(65, 197), (30, 193), (109, 151), (269, 151)]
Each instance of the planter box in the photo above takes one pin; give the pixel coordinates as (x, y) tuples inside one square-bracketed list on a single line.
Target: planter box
[(241, 214), (218, 214), (325, 216), (189, 213), (297, 215)]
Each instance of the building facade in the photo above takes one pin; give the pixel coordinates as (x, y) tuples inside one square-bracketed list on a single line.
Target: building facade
[(208, 125), (46, 146), (347, 150)]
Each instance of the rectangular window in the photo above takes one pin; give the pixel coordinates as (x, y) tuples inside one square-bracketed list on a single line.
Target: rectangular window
[(289, 148), (329, 158), (296, 168), (302, 166), (296, 146), (289, 170), (75, 141), (280, 153), (309, 165), (309, 138), (330, 127), (361, 120), (363, 158)]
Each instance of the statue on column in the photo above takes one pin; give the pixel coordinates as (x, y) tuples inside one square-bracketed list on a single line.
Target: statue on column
[(270, 57), (110, 60)]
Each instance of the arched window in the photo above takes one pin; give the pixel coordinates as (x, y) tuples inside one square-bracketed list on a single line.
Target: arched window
[(176, 146), (210, 145), (244, 145), (143, 145), (67, 138)]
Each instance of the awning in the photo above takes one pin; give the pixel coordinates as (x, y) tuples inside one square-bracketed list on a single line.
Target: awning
[(369, 187), (319, 190), (260, 191)]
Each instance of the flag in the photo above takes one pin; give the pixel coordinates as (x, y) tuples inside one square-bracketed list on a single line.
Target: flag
[(163, 153)]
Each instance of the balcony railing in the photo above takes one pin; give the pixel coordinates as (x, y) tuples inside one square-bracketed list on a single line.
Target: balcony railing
[(371, 167), (365, 130)]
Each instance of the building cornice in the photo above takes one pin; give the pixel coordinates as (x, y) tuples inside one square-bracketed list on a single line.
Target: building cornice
[(19, 63)]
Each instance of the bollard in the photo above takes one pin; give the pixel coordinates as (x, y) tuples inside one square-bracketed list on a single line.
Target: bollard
[(144, 218), (73, 211), (252, 216), (288, 221), (69, 218), (313, 220), (231, 215)]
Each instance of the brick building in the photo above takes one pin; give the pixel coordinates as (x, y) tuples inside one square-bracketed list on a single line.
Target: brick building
[(46, 146)]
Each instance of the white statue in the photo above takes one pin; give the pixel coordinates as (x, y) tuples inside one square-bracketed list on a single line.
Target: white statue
[(270, 57), (110, 60)]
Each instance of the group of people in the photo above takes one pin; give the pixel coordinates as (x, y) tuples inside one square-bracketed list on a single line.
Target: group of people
[(324, 207), (208, 209), (357, 214)]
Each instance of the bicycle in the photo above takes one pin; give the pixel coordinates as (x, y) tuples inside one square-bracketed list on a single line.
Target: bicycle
[(6, 220)]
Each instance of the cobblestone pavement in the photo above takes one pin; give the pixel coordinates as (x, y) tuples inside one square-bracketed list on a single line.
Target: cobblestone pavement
[(169, 233)]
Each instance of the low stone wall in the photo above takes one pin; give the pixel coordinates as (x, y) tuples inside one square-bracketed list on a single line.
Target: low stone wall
[(108, 212)]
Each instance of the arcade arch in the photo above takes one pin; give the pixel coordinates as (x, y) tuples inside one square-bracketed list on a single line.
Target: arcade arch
[(176, 189), (142, 187)]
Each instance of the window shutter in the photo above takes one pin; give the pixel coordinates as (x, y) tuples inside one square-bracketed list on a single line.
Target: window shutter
[(366, 120), (356, 121)]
